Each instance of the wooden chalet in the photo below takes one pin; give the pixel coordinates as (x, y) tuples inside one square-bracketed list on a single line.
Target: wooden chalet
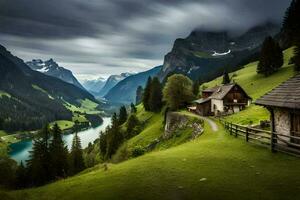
[(224, 99), (283, 102)]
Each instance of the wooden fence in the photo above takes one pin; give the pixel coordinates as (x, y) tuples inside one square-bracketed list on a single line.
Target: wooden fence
[(275, 141)]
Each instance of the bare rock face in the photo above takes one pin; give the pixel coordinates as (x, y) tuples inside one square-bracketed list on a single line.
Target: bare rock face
[(176, 122), (205, 53)]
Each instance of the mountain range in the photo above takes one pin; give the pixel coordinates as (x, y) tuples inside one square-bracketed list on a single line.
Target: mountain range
[(94, 86), (205, 54), (29, 99), (51, 68), (110, 83), (125, 90)]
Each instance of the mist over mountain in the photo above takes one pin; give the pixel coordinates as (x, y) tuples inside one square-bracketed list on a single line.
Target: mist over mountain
[(205, 54)]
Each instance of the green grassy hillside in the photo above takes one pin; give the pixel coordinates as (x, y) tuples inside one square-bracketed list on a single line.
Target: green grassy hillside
[(214, 166), (257, 85), (153, 128)]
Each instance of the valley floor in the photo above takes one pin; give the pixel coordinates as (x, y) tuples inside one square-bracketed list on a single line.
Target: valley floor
[(214, 166)]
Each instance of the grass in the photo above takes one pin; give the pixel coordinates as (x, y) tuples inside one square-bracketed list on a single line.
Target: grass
[(214, 166), (41, 90), (2, 133), (86, 106), (257, 85), (63, 124), (10, 138), (152, 131), (202, 54), (78, 117), (2, 93)]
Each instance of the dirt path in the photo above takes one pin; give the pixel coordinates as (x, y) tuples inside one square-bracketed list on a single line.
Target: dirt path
[(212, 124)]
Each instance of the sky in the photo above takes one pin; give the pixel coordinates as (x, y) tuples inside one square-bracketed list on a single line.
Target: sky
[(101, 37)]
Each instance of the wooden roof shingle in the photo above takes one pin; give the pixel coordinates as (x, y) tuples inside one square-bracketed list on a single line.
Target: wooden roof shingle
[(286, 95)]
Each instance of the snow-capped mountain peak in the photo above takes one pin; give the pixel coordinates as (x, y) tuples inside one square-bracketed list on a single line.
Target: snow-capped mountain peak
[(51, 68)]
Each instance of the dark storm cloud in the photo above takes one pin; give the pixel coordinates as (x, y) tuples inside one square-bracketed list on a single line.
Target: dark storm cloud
[(127, 35)]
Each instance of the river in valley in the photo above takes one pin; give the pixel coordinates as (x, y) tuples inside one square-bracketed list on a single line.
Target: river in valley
[(20, 150)]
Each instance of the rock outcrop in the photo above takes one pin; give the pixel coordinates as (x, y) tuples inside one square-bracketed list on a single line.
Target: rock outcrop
[(175, 122)]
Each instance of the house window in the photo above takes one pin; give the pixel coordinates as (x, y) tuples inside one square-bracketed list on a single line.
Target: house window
[(295, 127)]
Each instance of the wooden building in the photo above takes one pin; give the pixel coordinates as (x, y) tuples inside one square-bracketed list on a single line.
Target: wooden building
[(224, 99), (283, 102)]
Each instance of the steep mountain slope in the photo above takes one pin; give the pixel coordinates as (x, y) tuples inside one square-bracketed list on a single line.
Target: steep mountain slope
[(51, 68), (205, 54), (30, 99), (94, 86), (111, 82), (125, 90)]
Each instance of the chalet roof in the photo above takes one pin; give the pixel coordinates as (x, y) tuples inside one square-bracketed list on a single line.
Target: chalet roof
[(219, 92), (200, 101), (286, 95), (213, 89)]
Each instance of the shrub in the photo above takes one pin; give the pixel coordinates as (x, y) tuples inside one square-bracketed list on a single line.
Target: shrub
[(138, 151)]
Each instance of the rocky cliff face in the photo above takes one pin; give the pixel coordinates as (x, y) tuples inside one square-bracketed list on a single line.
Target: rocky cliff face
[(205, 54), (176, 122)]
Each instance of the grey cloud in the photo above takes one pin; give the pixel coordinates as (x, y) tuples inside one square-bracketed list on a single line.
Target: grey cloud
[(111, 36)]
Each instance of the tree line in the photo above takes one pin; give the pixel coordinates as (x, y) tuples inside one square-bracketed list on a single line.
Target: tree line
[(123, 127), (49, 160), (271, 56)]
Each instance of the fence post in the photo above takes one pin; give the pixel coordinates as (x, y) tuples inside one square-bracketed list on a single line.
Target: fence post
[(273, 136), (230, 128), (273, 142), (247, 134), (236, 130)]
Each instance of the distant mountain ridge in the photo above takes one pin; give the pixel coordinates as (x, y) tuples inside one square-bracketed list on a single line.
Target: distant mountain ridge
[(94, 86), (51, 68), (29, 99), (111, 82), (125, 91), (205, 54)]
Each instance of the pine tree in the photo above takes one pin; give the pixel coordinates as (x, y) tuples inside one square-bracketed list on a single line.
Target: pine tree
[(21, 176), (103, 141), (196, 88), (132, 108), (271, 57), (296, 58), (122, 115), (226, 79), (155, 98), (38, 165), (139, 95), (291, 23), (76, 160), (132, 123), (114, 137), (58, 153), (146, 95), (114, 140)]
